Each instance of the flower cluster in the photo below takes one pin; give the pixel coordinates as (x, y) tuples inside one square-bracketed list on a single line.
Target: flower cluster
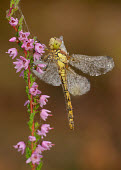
[(44, 129), (29, 45), (32, 52)]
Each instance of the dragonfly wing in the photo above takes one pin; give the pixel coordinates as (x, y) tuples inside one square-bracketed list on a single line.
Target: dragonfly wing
[(50, 76), (77, 85), (94, 66), (63, 48)]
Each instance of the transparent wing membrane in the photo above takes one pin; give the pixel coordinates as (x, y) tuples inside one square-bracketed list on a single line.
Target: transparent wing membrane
[(63, 48), (50, 76), (92, 65), (77, 85)]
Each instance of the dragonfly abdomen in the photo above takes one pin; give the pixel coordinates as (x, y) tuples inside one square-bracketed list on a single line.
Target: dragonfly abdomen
[(63, 77)]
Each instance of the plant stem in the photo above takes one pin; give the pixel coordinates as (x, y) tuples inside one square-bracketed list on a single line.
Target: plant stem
[(31, 101), (31, 108), (10, 10), (31, 105), (15, 29)]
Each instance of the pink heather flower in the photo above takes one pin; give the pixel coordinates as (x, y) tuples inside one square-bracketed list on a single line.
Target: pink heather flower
[(12, 52), (13, 21), (43, 100), (44, 129), (23, 35), (39, 66), (20, 146), (47, 145), (33, 90), (44, 114), (21, 63), (39, 48), (22, 74), (26, 102), (32, 138), (36, 56), (27, 45), (35, 158), (39, 149), (13, 39)]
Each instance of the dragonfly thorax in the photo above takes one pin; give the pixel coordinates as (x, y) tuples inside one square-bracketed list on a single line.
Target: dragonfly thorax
[(61, 59)]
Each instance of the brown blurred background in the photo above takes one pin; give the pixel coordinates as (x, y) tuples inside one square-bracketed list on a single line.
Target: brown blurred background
[(89, 27)]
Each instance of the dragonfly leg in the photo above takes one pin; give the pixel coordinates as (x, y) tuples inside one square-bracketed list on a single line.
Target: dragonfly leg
[(45, 68)]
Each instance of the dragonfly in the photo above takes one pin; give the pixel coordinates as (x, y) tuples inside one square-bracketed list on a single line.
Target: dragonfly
[(60, 72)]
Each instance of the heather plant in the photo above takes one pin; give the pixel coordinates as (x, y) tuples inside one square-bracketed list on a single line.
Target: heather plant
[(32, 53)]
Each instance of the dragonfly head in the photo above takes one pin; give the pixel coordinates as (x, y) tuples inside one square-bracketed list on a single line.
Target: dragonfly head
[(55, 43)]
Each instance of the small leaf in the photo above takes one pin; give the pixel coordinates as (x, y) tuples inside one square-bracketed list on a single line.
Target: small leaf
[(32, 79), (34, 146), (27, 89), (20, 23), (11, 3), (37, 106), (28, 152), (37, 136), (28, 55), (34, 100), (39, 166), (19, 28), (28, 110), (36, 125), (16, 2), (21, 20), (35, 38), (30, 122)]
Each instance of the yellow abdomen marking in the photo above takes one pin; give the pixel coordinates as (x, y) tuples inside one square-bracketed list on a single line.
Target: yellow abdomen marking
[(67, 98)]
